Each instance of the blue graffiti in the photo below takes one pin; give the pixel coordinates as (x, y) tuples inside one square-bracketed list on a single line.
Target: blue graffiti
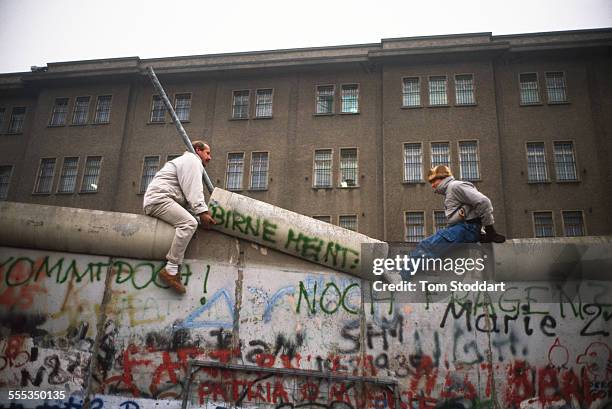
[(267, 315), (225, 300), (128, 404)]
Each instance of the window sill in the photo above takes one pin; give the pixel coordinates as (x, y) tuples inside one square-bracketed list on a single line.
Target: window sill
[(87, 192), (263, 117), (347, 187), (156, 123), (64, 193), (239, 119), (559, 103), (542, 182), (323, 114), (471, 180), (568, 181), (535, 104), (411, 107), (258, 189), (101, 123), (41, 194), (234, 190), (407, 182), (85, 124), (323, 187), (349, 113), (14, 133), (56, 126), (466, 105), (439, 106)]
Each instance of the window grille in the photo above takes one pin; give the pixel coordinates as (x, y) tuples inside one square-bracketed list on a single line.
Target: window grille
[(91, 174), (46, 171), (326, 219), (103, 109), (536, 163), (464, 90), (60, 111), (437, 91), (350, 98), (5, 180), (543, 224), (556, 87), (263, 103), (348, 167), (411, 93), (565, 162), (158, 110), (440, 154), (150, 166), (529, 89), (259, 170), (68, 176), (81, 111), (17, 120), (182, 106), (322, 168), (413, 162), (235, 168), (573, 223), (468, 160), (439, 220), (240, 105), (415, 226), (325, 99), (348, 222)]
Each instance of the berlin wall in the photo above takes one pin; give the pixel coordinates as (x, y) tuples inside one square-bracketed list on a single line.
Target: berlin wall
[(105, 332)]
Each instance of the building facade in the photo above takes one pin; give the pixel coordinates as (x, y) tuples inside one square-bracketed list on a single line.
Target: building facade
[(344, 134)]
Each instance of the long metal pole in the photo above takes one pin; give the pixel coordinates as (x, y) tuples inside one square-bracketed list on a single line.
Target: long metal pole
[(177, 123)]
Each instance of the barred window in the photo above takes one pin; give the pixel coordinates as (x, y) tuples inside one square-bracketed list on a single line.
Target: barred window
[(543, 224), (103, 109), (158, 110), (350, 98), (17, 120), (150, 166), (411, 92), (326, 219), (349, 167), (415, 226), (464, 89), (555, 87), (68, 175), (46, 171), (437, 91), (323, 168), (259, 170), (439, 220), (60, 111), (5, 180), (348, 222), (240, 104), (573, 223), (565, 162), (413, 162), (536, 163), (2, 112), (182, 106), (91, 174), (325, 99), (469, 168), (529, 89), (440, 154), (235, 169), (263, 103), (81, 111)]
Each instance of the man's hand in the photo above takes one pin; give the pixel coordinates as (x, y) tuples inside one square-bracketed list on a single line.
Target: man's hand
[(207, 220), (492, 236)]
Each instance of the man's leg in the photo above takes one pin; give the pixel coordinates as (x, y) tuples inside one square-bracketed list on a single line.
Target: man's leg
[(185, 226)]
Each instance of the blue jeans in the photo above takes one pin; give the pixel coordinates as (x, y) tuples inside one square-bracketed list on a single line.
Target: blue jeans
[(443, 241)]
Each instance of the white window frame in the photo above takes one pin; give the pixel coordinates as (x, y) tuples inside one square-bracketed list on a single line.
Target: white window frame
[(418, 93), (341, 180), (74, 110), (552, 218), (584, 224), (331, 169), (97, 112), (358, 105), (429, 88), (537, 89), (61, 176), (548, 99), (252, 172), (97, 188), (461, 176), (39, 175), (176, 95), (405, 223), (433, 220), (142, 188), (318, 217), (576, 173), (53, 121), (157, 119), (349, 215), (431, 153), (547, 174), (8, 181), (21, 122), (473, 90), (333, 99), (248, 104), (257, 104), (404, 163), (227, 172)]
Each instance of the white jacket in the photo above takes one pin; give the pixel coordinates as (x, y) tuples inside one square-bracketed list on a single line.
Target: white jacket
[(179, 180)]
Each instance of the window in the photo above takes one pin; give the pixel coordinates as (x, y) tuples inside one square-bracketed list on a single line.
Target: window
[(17, 120), (235, 168), (437, 91), (529, 89), (5, 180), (322, 168), (555, 87), (150, 166), (565, 162), (464, 89), (2, 111), (350, 99), (60, 111), (536, 163), (411, 92), (103, 109), (326, 219), (325, 99), (348, 167), (68, 175), (182, 106), (573, 223), (240, 105), (440, 154), (468, 160), (413, 163), (415, 226), (46, 171), (81, 111), (543, 224), (158, 110), (348, 222), (263, 103), (439, 220), (91, 174), (259, 170)]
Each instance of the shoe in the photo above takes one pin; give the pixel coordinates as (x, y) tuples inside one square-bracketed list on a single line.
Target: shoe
[(174, 281)]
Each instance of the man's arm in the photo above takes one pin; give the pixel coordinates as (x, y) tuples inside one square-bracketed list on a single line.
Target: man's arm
[(190, 179), (480, 203)]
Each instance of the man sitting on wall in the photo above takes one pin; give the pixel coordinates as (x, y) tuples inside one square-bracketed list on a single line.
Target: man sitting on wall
[(177, 184), (466, 209)]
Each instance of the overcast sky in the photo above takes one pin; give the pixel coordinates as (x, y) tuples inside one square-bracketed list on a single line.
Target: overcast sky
[(36, 32)]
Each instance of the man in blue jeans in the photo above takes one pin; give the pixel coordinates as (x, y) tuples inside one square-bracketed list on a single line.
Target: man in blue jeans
[(466, 209)]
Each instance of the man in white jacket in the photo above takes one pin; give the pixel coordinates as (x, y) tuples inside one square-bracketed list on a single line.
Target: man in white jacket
[(176, 186)]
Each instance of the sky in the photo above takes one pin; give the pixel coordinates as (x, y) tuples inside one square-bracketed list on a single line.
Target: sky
[(37, 32)]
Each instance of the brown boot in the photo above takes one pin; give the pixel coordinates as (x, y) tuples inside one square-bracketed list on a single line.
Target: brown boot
[(174, 281)]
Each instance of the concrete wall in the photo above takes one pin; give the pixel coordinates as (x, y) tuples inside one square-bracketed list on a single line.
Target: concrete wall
[(105, 328)]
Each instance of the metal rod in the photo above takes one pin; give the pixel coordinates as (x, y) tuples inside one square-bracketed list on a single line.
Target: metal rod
[(293, 372), (177, 123)]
